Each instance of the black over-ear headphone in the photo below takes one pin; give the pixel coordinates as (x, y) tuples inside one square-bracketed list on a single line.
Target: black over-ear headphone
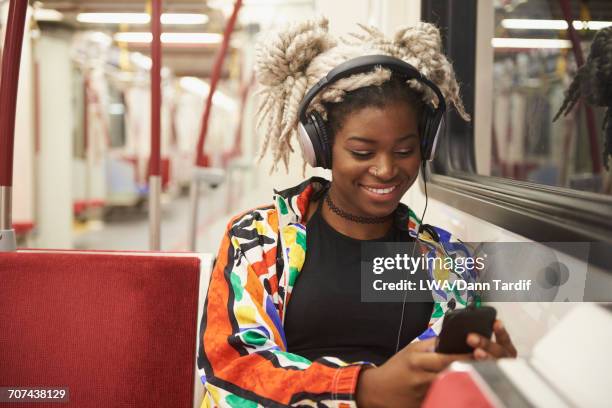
[(312, 130)]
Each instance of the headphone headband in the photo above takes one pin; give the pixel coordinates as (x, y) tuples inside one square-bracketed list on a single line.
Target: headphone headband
[(364, 64)]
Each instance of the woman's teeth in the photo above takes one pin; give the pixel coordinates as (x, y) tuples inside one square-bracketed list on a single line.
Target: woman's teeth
[(380, 191)]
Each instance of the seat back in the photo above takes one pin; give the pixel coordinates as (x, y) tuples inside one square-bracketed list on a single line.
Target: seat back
[(117, 330)]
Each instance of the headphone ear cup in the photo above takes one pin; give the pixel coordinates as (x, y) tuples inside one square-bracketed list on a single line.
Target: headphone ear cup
[(437, 128), (323, 153), (314, 142), (307, 142), (431, 121), (425, 129)]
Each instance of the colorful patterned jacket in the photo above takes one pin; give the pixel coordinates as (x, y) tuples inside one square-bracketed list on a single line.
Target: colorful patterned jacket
[(243, 357)]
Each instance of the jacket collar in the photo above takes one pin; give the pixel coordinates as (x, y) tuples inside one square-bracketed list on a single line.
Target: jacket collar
[(292, 204)]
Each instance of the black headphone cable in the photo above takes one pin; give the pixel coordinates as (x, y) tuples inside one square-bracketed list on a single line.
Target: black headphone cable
[(416, 240)]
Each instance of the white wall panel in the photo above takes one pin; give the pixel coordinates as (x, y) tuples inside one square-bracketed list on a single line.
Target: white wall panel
[(56, 139)]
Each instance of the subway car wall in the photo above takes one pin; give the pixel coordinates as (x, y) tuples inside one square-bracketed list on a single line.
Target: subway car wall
[(528, 174)]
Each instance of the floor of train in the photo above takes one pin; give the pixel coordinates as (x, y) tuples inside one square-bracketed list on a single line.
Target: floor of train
[(128, 229)]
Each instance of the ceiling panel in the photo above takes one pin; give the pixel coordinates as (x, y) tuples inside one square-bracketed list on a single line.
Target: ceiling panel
[(551, 9), (192, 60), (113, 5)]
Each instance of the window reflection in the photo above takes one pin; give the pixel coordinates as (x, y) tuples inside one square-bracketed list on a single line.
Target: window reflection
[(534, 64)]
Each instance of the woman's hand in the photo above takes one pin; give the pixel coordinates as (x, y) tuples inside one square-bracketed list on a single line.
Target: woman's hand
[(485, 349), (404, 379)]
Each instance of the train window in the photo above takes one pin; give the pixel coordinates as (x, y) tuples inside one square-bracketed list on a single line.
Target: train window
[(534, 64), (514, 165), (524, 65)]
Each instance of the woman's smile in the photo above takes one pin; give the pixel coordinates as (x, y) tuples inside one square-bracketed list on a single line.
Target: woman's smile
[(382, 192)]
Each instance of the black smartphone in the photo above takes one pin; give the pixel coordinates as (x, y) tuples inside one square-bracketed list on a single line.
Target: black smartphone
[(459, 323)]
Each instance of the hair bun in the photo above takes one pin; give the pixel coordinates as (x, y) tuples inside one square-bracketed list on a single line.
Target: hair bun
[(287, 53), (420, 38), (421, 46)]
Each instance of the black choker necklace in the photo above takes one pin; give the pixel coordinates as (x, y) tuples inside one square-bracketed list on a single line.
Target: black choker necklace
[(354, 218)]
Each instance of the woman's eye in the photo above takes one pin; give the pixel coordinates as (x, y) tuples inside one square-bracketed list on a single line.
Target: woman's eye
[(360, 154), (405, 153)]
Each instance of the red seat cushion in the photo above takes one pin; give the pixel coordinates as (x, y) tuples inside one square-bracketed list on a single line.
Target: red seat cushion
[(22, 228), (458, 390), (118, 330)]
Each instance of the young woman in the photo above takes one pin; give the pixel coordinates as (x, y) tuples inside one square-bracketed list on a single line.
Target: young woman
[(284, 324)]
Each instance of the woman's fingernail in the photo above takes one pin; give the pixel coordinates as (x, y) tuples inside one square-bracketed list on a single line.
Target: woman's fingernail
[(500, 325), (480, 354), (473, 340)]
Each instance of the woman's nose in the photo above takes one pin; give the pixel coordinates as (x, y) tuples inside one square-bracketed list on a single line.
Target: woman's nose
[(384, 169)]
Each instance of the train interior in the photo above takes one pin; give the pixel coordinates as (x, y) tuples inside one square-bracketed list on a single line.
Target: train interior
[(86, 181)]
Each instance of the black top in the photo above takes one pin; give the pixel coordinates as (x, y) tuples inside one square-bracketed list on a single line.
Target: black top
[(325, 315)]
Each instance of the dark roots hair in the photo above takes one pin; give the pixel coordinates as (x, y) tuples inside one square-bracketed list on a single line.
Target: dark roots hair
[(392, 91)]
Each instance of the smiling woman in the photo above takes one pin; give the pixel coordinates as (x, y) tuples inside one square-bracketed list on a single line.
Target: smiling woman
[(284, 322)]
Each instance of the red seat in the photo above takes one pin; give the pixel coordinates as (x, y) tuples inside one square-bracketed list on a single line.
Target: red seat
[(23, 228), (118, 330), (457, 389)]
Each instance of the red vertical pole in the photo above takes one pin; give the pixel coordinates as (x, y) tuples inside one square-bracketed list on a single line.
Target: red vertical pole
[(155, 88), (201, 159), (590, 117), (155, 183), (9, 80), (8, 88)]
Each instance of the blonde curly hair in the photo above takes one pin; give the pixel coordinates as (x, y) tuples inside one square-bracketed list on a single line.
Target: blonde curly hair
[(292, 60)]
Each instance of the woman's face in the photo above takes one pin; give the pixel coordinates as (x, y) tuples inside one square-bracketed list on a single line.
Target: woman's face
[(375, 158)]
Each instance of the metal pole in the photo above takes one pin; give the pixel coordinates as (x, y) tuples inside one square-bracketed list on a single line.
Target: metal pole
[(11, 61), (8, 242), (155, 187), (155, 184), (194, 192), (5, 208)]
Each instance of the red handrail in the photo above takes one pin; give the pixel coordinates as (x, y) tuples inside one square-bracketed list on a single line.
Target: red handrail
[(155, 183), (8, 87), (156, 89), (201, 158), (590, 117)]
